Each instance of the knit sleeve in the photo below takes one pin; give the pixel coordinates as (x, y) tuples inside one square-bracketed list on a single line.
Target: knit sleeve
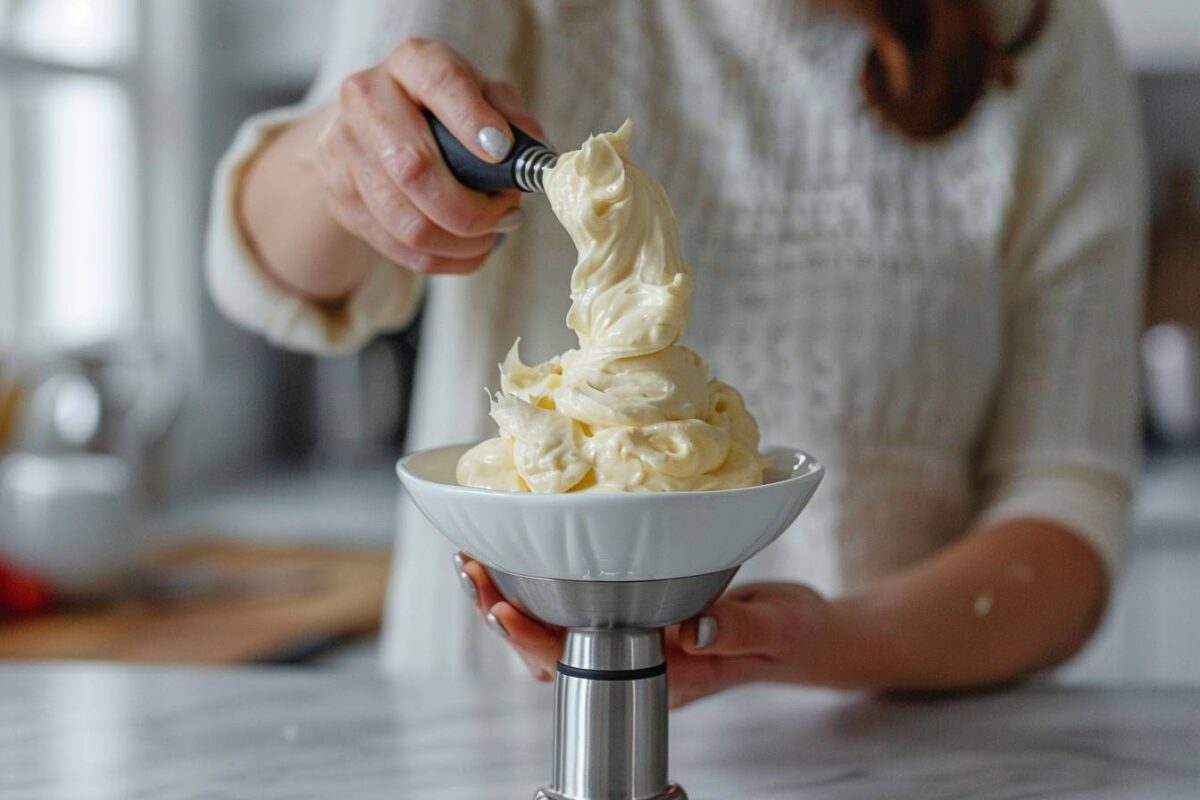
[(364, 32), (1064, 435)]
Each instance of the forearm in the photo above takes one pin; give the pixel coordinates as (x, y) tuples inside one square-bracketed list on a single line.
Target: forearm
[(998, 604), (284, 217)]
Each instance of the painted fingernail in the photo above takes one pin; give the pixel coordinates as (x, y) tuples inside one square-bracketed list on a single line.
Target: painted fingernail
[(495, 142), (459, 564), (495, 624), (706, 631), (468, 586), (512, 219), (500, 239)]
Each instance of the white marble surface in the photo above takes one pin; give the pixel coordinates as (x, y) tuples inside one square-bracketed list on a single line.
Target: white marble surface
[(95, 732)]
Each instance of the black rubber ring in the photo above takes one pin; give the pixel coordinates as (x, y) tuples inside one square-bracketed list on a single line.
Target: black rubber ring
[(612, 674)]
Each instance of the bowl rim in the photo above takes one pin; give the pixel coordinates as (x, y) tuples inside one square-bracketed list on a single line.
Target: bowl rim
[(811, 469)]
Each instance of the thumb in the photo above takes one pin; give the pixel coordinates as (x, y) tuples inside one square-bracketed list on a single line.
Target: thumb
[(760, 620)]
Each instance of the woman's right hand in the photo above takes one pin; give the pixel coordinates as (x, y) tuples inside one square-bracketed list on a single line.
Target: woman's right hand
[(385, 181)]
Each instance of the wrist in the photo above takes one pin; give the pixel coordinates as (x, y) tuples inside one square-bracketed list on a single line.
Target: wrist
[(854, 651), (283, 217)]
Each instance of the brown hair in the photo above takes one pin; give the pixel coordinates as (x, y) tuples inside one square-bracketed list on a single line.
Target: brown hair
[(931, 60)]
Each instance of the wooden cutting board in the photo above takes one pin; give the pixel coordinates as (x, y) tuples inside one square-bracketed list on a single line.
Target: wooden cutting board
[(10, 400), (336, 594)]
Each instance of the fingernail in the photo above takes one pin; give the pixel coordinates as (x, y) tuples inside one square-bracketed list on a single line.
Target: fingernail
[(500, 238), (706, 631), (495, 142), (495, 624), (468, 586), (459, 564), (510, 221)]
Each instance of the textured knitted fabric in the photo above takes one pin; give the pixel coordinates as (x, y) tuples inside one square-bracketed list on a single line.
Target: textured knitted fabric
[(949, 327)]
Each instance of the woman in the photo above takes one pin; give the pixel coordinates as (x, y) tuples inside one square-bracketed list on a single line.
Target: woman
[(915, 234)]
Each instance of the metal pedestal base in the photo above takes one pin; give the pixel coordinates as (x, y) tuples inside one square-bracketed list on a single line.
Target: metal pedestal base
[(673, 792), (610, 705)]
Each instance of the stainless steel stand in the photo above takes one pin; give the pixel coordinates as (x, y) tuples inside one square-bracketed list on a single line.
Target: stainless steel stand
[(610, 709)]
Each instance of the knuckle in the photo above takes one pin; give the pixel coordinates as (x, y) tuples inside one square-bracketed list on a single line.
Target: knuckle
[(423, 263), (417, 231), (339, 186), (792, 616), (406, 47), (499, 86), (355, 89), (341, 193), (351, 218), (411, 167), (505, 91), (389, 209), (417, 52), (339, 210), (327, 165), (393, 251), (325, 146), (444, 76), (419, 44), (705, 678), (734, 628), (468, 222), (332, 141)]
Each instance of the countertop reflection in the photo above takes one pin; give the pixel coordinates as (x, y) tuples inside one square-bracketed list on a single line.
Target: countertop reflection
[(93, 732)]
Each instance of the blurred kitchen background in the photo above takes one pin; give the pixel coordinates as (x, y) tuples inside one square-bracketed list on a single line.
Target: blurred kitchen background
[(256, 486)]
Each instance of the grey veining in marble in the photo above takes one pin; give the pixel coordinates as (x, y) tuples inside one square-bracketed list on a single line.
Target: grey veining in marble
[(90, 732)]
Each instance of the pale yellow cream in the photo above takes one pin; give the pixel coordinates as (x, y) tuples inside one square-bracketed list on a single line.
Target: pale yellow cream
[(631, 409)]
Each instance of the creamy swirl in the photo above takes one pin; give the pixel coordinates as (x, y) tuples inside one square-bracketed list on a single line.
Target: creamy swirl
[(630, 409)]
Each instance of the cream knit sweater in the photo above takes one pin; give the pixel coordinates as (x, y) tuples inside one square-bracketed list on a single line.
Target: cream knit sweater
[(949, 327)]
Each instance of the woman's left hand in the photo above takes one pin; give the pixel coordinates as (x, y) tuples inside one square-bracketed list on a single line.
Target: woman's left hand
[(777, 632)]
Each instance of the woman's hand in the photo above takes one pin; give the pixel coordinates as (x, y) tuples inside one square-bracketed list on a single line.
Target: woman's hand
[(331, 193), (385, 179), (779, 632), (1009, 599)]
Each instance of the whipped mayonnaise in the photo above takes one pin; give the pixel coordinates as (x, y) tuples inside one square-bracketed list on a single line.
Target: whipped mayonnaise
[(631, 409)]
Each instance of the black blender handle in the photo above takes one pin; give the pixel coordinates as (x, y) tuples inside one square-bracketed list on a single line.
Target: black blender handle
[(522, 169)]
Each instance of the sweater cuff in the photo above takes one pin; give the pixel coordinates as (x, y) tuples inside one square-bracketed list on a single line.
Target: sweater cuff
[(244, 291), (1093, 505)]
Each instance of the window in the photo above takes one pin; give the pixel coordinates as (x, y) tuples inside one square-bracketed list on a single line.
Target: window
[(71, 258)]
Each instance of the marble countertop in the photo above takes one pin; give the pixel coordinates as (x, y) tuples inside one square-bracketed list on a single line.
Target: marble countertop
[(99, 732)]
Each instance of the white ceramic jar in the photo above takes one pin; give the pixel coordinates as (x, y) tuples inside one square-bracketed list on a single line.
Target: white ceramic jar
[(69, 518)]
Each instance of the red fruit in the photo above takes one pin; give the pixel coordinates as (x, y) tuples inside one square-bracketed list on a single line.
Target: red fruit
[(22, 594)]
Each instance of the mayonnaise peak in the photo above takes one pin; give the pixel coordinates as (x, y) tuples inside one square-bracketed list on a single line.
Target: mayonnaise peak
[(631, 409)]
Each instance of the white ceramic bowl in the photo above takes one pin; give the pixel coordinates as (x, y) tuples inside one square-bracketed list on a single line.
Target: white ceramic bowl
[(612, 537), (69, 518)]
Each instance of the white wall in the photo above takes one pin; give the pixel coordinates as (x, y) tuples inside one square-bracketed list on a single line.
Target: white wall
[(1158, 35), (1152, 634)]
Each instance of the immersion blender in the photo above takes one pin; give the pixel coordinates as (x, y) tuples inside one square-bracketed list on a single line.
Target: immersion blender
[(522, 169)]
